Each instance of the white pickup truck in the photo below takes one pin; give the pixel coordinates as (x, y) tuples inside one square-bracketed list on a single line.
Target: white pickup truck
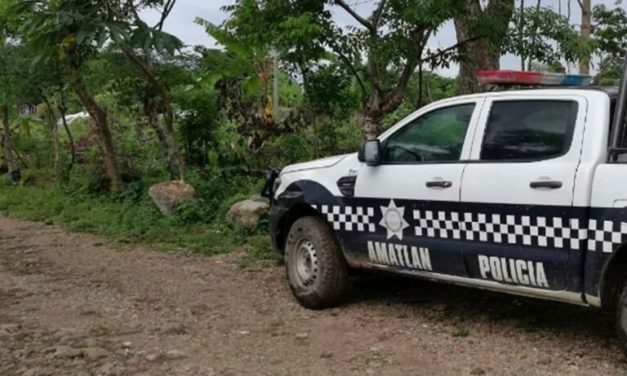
[(521, 191)]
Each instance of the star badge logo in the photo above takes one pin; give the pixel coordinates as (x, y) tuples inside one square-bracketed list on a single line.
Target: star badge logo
[(393, 220)]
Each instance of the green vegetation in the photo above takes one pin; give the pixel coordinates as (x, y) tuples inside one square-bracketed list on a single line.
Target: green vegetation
[(162, 111)]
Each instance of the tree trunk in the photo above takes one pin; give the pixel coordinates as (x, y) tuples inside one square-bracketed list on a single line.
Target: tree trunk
[(54, 130), (372, 124), (9, 158), (63, 111), (483, 53), (586, 32), (101, 121), (175, 159), (152, 117)]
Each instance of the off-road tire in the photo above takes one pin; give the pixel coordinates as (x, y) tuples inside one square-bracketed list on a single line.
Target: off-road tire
[(621, 318), (311, 242)]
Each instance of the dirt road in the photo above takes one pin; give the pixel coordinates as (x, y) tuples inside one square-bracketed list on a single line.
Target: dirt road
[(71, 305)]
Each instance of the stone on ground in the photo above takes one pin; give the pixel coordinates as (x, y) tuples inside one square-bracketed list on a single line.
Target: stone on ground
[(247, 213), (169, 195)]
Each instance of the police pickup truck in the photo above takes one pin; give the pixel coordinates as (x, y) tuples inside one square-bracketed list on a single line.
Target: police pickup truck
[(523, 192)]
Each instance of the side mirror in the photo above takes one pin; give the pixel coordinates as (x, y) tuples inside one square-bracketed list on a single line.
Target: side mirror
[(370, 152)]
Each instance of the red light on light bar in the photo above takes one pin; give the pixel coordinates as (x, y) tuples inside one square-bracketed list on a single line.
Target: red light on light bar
[(499, 77), (511, 77)]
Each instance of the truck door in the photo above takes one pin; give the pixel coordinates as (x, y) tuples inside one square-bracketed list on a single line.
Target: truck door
[(520, 227), (414, 192)]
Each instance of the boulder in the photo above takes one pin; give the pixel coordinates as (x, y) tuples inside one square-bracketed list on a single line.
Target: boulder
[(169, 195), (248, 213)]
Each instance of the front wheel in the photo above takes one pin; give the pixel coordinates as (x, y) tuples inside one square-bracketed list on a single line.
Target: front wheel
[(316, 269)]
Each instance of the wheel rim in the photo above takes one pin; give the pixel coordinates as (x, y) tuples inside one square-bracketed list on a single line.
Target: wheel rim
[(306, 264)]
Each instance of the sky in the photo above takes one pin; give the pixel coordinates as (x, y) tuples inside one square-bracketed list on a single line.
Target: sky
[(181, 23)]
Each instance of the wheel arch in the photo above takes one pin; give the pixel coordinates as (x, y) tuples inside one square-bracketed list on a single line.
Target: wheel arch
[(297, 211), (613, 277)]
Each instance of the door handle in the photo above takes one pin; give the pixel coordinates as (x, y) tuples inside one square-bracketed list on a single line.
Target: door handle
[(439, 184), (550, 184)]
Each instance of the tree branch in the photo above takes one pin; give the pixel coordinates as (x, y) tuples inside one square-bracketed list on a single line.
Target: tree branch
[(367, 24), (141, 64), (453, 47), (167, 8), (376, 16), (352, 68)]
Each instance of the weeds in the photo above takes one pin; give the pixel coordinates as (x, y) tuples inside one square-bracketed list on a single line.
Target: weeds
[(129, 217)]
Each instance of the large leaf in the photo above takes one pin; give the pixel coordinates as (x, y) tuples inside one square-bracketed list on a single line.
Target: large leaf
[(226, 39)]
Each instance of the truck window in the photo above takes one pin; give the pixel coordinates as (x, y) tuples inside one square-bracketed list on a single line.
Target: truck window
[(529, 130), (437, 136)]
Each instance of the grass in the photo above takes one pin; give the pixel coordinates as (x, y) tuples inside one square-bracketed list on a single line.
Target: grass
[(135, 221), (460, 332)]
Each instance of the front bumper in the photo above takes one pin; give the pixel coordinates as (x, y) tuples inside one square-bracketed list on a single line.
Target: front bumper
[(277, 211)]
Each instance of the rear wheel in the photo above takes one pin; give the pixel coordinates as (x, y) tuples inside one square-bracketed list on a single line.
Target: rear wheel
[(621, 318), (316, 269)]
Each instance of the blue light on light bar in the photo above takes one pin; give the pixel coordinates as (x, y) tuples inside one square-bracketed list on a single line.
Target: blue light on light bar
[(576, 80)]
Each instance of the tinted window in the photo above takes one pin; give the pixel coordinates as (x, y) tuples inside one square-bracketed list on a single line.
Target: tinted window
[(529, 130), (436, 136)]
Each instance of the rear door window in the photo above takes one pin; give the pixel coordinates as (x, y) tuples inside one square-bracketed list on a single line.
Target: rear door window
[(529, 130)]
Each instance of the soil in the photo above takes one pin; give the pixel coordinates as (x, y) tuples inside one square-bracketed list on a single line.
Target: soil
[(73, 304)]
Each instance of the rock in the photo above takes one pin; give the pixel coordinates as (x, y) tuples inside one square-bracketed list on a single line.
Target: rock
[(169, 195), (544, 361), (175, 329), (477, 371), (94, 353), (127, 345), (153, 357), (302, 335), (67, 352), (174, 354), (247, 213)]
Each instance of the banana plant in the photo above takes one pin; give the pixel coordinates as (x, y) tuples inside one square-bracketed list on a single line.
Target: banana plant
[(253, 63)]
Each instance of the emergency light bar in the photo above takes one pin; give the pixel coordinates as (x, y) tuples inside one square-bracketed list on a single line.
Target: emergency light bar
[(511, 77)]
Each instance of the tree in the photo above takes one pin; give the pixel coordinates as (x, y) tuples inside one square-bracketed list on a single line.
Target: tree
[(485, 29), (610, 36), (254, 34), (143, 45), (252, 65), (9, 53), (393, 39), (72, 32), (381, 53), (543, 36)]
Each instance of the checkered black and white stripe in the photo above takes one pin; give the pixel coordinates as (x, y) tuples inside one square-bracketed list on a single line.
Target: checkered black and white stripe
[(440, 224), (537, 231), (348, 218), (551, 232), (604, 235)]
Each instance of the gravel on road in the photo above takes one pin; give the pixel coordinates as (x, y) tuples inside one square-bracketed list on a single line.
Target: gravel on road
[(72, 304)]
